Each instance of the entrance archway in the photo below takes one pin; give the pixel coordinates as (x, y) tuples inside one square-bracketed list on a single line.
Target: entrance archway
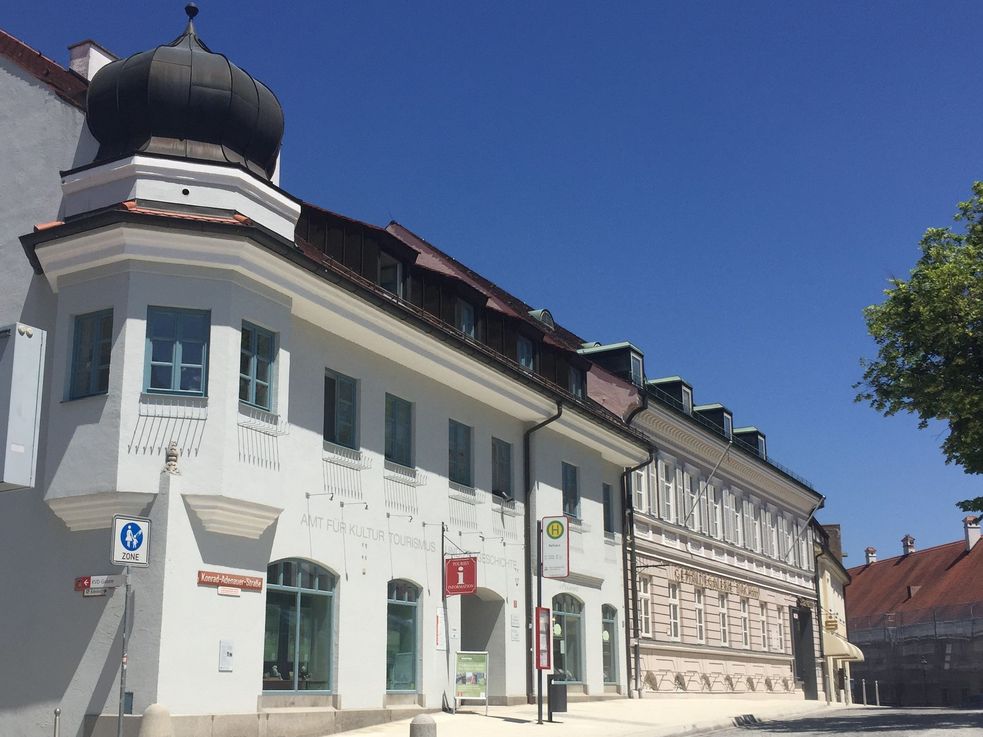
[(483, 629)]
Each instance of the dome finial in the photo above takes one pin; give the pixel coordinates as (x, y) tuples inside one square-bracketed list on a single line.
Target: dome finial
[(192, 10)]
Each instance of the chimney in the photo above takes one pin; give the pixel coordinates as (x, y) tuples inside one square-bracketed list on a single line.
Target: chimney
[(908, 544), (871, 555), (971, 525), (87, 57)]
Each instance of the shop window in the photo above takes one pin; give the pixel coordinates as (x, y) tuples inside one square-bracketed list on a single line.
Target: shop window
[(567, 639), (402, 622), (609, 643), (571, 491), (299, 616), (340, 409), (257, 353), (177, 351), (399, 431), (459, 453), (91, 349), (501, 468)]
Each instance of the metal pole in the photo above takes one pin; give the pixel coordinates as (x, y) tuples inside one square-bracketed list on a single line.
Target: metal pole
[(122, 667), (57, 722), (877, 693), (539, 603), (863, 689)]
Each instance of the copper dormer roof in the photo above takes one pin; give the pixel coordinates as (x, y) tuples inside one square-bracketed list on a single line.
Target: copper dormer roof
[(182, 99)]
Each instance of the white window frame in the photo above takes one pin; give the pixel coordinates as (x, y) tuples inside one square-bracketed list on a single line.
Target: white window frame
[(667, 480), (699, 607), (781, 629), (745, 623), (738, 518), (765, 630), (638, 491), (687, 400), (644, 606), (690, 494), (716, 509), (724, 621), (673, 632), (653, 489)]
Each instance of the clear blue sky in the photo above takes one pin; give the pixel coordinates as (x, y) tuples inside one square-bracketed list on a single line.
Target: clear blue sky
[(724, 184)]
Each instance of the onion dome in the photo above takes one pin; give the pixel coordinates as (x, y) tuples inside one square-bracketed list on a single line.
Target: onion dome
[(182, 99)]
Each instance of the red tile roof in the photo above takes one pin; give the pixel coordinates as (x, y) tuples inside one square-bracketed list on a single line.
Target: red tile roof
[(64, 82), (943, 576)]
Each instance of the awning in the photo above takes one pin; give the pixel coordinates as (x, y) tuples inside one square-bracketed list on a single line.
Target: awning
[(836, 646)]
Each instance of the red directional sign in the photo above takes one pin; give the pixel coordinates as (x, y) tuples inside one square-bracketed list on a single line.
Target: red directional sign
[(460, 576), (82, 583)]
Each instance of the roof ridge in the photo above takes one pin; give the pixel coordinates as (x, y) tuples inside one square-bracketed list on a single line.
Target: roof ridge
[(66, 83)]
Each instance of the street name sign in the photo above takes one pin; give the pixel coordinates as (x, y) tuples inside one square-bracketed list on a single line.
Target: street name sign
[(131, 541)]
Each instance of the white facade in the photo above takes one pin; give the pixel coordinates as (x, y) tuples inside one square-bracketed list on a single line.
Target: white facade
[(258, 486)]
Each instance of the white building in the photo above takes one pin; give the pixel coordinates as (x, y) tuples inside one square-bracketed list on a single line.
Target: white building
[(337, 406)]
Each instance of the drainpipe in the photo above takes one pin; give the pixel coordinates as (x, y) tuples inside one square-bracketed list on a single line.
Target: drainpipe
[(630, 576), (629, 557), (527, 485)]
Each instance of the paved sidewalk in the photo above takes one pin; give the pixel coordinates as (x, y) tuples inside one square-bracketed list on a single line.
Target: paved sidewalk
[(652, 716)]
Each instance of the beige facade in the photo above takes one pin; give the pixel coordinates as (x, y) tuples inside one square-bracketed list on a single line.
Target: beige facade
[(724, 569)]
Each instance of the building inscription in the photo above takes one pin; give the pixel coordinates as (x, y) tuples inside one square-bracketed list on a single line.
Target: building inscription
[(717, 583)]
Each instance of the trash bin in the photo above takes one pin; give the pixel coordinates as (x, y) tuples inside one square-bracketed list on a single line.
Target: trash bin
[(556, 693)]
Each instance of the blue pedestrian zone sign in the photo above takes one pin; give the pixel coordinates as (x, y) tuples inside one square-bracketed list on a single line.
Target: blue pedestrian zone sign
[(131, 541)]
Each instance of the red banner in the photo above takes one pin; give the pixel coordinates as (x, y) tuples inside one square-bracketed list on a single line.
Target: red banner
[(460, 576)]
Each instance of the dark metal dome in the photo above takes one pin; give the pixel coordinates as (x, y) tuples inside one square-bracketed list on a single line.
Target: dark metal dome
[(184, 100)]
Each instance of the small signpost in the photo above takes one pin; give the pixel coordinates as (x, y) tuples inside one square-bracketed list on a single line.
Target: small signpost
[(471, 677), (555, 546), (130, 547), (544, 639), (460, 575), (554, 562)]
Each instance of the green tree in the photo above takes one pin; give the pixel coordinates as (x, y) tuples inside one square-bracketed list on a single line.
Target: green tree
[(929, 335)]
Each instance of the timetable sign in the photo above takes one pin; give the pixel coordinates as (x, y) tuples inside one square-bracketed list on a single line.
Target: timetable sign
[(131, 541), (554, 542)]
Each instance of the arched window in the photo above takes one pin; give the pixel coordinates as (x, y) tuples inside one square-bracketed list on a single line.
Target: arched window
[(297, 645), (402, 621), (568, 639), (609, 645)]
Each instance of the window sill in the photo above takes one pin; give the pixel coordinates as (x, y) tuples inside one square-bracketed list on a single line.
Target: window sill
[(466, 494), (341, 455), (404, 474), (173, 406), (97, 395), (506, 506), (260, 420), (578, 525), (611, 538)]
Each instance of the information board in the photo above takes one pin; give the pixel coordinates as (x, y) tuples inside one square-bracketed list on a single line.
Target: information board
[(471, 676)]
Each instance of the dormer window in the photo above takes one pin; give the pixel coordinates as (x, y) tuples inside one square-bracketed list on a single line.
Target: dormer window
[(464, 317), (762, 447), (576, 382), (525, 353), (637, 375), (390, 274), (687, 400), (728, 426)]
